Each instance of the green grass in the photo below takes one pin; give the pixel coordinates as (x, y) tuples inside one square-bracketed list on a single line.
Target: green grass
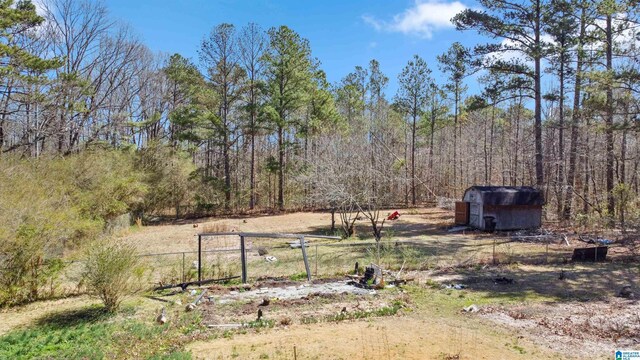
[(68, 335), (383, 311), (91, 333)]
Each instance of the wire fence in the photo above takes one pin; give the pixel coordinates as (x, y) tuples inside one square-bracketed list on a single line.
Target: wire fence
[(282, 258)]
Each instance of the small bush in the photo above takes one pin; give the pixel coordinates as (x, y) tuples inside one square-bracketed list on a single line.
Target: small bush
[(112, 271)]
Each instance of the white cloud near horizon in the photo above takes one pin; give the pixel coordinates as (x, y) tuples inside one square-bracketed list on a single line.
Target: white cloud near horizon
[(422, 19)]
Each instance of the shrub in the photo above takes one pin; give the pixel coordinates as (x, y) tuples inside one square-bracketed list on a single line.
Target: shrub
[(51, 205), (112, 271)]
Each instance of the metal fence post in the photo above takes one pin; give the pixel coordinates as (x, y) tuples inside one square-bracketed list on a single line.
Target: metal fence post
[(304, 256), (243, 259), (199, 257)]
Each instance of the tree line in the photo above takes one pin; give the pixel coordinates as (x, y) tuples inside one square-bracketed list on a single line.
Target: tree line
[(253, 123)]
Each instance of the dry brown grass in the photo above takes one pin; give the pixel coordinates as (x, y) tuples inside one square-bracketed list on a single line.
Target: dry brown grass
[(410, 337)]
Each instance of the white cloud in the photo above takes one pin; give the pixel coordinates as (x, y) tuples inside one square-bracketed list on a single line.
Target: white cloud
[(627, 39), (422, 19), (40, 7)]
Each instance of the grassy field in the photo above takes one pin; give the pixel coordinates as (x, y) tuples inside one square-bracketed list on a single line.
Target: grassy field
[(547, 298)]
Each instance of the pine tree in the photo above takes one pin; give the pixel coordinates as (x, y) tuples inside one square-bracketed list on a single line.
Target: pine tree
[(16, 63), (518, 25), (412, 99)]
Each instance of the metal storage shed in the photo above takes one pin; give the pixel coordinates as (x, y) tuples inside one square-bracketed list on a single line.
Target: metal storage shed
[(502, 207)]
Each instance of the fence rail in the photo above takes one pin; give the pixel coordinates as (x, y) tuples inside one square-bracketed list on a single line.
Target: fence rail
[(268, 257)]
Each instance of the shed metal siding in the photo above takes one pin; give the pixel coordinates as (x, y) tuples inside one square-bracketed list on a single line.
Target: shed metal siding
[(512, 207), (515, 217)]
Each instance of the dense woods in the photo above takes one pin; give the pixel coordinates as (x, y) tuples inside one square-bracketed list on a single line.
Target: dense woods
[(253, 123)]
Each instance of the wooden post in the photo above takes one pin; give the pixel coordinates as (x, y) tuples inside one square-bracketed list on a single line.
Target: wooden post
[(199, 257), (243, 260), (304, 256)]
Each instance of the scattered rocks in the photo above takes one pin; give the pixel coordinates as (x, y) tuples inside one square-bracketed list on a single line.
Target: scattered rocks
[(262, 251), (190, 307), (265, 302)]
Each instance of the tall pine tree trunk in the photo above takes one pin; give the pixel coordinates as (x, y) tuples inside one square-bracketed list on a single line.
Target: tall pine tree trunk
[(281, 167), (609, 120), (538, 99), (413, 160), (575, 121)]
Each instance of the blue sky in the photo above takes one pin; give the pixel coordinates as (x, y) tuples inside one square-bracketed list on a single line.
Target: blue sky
[(342, 34)]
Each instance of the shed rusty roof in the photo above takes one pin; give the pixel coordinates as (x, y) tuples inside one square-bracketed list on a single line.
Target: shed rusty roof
[(508, 195)]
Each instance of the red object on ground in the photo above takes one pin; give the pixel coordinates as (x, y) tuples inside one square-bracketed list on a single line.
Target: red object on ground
[(394, 216)]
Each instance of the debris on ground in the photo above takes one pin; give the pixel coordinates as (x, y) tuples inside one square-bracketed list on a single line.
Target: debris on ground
[(192, 306), (265, 302), (503, 281), (225, 326), (471, 308), (291, 292), (596, 254), (296, 244), (162, 318), (537, 235), (458, 229), (595, 240), (455, 286), (376, 277), (262, 251), (372, 275), (270, 258), (393, 216), (626, 292)]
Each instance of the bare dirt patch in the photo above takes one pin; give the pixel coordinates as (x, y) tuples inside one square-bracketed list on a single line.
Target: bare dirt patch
[(406, 337), (583, 329)]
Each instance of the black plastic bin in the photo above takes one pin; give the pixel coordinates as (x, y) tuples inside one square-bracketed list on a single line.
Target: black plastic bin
[(489, 223)]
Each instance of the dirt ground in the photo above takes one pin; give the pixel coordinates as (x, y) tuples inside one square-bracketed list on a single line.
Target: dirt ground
[(549, 308), (586, 328), (413, 336), (182, 237)]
